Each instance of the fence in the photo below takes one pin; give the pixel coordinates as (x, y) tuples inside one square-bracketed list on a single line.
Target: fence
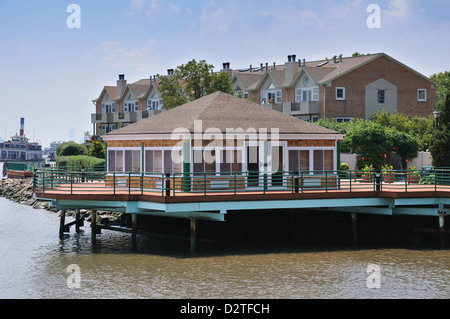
[(100, 182)]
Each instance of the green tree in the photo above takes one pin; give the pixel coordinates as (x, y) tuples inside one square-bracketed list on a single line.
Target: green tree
[(97, 150), (421, 129), (440, 145), (192, 81), (71, 148), (443, 88)]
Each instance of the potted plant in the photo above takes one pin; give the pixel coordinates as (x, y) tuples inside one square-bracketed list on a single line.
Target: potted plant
[(387, 174), (413, 175), (367, 173)]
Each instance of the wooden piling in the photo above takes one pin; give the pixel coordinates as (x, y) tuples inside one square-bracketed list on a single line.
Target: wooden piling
[(94, 227), (77, 221), (193, 234), (62, 221), (134, 231), (355, 228), (442, 230)]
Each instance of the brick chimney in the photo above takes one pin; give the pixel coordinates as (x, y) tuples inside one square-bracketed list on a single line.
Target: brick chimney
[(121, 85), (290, 68)]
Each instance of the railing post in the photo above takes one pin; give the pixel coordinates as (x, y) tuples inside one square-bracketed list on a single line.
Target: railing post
[(296, 182), (142, 183), (234, 183), (71, 183), (350, 179), (114, 183), (378, 181), (204, 182), (168, 184)]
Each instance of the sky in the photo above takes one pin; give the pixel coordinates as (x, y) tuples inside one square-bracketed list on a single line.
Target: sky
[(55, 60)]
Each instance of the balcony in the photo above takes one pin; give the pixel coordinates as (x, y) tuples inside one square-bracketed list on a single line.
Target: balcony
[(118, 117), (302, 108), (102, 118)]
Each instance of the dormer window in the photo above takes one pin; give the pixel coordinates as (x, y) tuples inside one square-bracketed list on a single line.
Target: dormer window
[(155, 103)]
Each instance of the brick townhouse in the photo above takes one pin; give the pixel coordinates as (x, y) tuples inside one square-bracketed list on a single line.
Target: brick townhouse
[(341, 88)]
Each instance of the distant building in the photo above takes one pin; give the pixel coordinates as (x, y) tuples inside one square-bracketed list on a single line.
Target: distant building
[(341, 87)]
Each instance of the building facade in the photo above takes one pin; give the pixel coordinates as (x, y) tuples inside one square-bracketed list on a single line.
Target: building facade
[(223, 135), (342, 88)]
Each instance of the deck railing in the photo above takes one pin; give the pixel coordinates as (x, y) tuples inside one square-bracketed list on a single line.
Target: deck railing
[(92, 181)]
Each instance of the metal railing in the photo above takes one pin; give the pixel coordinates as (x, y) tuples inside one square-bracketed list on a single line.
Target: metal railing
[(90, 181)]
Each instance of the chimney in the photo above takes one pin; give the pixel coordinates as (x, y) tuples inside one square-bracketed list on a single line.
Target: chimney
[(340, 58), (267, 66), (251, 70), (226, 68), (299, 63), (261, 67), (121, 85), (290, 69), (151, 79), (22, 125), (335, 59), (274, 66), (304, 62)]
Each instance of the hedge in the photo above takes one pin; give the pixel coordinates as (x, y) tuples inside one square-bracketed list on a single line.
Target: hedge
[(80, 161)]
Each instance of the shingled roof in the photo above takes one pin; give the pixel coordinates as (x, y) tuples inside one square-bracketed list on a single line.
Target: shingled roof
[(222, 111)]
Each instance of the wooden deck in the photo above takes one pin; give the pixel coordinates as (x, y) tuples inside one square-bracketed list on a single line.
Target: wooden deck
[(98, 191)]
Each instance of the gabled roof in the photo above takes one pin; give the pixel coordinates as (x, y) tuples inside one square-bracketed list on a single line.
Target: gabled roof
[(248, 80), (111, 90), (222, 111)]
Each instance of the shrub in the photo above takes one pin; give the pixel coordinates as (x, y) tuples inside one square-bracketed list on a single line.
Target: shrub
[(79, 161)]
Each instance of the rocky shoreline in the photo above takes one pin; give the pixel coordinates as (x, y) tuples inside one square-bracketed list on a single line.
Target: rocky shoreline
[(21, 191)]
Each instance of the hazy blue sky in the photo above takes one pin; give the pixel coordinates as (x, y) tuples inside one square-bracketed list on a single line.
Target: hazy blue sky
[(51, 73)]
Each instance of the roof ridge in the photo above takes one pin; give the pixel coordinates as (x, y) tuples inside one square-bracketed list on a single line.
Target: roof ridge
[(203, 110)]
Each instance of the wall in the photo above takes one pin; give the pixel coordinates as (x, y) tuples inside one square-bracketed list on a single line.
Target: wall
[(355, 82)]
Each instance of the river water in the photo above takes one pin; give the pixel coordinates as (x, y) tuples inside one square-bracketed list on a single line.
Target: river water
[(34, 265)]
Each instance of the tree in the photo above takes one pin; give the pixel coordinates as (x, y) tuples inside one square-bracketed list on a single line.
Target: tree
[(192, 81), (440, 145), (443, 88), (421, 129), (97, 150), (71, 148)]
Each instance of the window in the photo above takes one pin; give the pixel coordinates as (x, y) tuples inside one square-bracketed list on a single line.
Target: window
[(343, 119), (298, 160), (272, 96), (160, 161), (130, 106), (340, 93), (306, 94), (323, 160), (381, 96), (200, 165), (422, 95), (115, 161), (132, 161)]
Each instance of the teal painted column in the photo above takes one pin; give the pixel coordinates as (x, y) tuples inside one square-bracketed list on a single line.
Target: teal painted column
[(186, 166)]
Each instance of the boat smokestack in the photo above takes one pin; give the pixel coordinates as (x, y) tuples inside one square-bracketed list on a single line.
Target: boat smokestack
[(22, 124)]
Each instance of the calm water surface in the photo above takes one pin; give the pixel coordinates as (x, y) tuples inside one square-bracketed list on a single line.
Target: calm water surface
[(34, 265)]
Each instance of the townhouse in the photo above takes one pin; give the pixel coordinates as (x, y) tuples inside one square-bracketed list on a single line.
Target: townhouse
[(342, 88)]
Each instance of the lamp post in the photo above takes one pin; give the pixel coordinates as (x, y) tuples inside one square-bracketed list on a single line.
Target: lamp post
[(436, 115)]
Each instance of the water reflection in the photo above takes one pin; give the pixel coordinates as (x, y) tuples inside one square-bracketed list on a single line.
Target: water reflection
[(34, 265)]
